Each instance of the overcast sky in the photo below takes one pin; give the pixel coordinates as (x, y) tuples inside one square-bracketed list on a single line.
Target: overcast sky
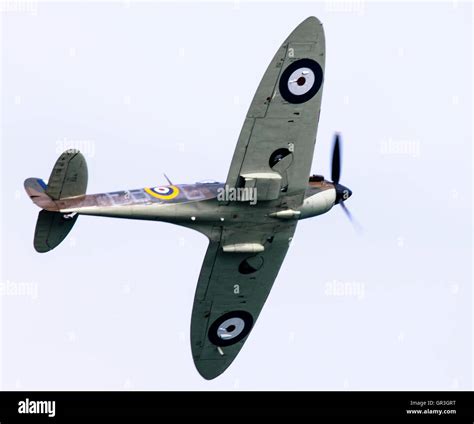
[(144, 89)]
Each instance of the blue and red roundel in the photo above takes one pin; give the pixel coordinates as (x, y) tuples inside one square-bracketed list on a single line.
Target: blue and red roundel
[(163, 192)]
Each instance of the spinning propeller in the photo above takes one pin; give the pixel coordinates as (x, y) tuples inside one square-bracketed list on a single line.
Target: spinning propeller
[(342, 193)]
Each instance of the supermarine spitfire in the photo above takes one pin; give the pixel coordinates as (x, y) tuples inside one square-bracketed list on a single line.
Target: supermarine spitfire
[(249, 234)]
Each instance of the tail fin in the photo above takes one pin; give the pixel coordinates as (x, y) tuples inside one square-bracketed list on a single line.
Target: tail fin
[(69, 176), (68, 179)]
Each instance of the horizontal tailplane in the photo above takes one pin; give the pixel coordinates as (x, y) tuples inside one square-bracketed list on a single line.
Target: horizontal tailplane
[(51, 229)]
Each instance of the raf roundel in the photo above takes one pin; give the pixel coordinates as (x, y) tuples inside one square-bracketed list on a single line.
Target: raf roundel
[(163, 193), (301, 80), (230, 328)]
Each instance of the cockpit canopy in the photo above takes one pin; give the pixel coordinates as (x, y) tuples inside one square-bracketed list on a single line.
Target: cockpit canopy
[(208, 182), (316, 178)]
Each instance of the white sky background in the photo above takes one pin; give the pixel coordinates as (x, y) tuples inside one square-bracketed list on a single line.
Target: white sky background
[(149, 88)]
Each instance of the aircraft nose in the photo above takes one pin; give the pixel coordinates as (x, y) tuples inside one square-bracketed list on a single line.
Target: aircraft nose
[(342, 193)]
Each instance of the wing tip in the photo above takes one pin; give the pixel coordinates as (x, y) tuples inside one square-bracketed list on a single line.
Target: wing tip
[(311, 20), (310, 29), (208, 371)]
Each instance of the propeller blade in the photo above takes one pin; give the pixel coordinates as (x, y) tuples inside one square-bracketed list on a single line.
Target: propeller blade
[(336, 161), (354, 223), (346, 211)]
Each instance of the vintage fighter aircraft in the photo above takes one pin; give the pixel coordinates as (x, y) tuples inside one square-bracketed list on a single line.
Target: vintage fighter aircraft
[(248, 235)]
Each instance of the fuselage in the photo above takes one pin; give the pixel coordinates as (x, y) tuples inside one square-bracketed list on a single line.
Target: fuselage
[(199, 202)]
